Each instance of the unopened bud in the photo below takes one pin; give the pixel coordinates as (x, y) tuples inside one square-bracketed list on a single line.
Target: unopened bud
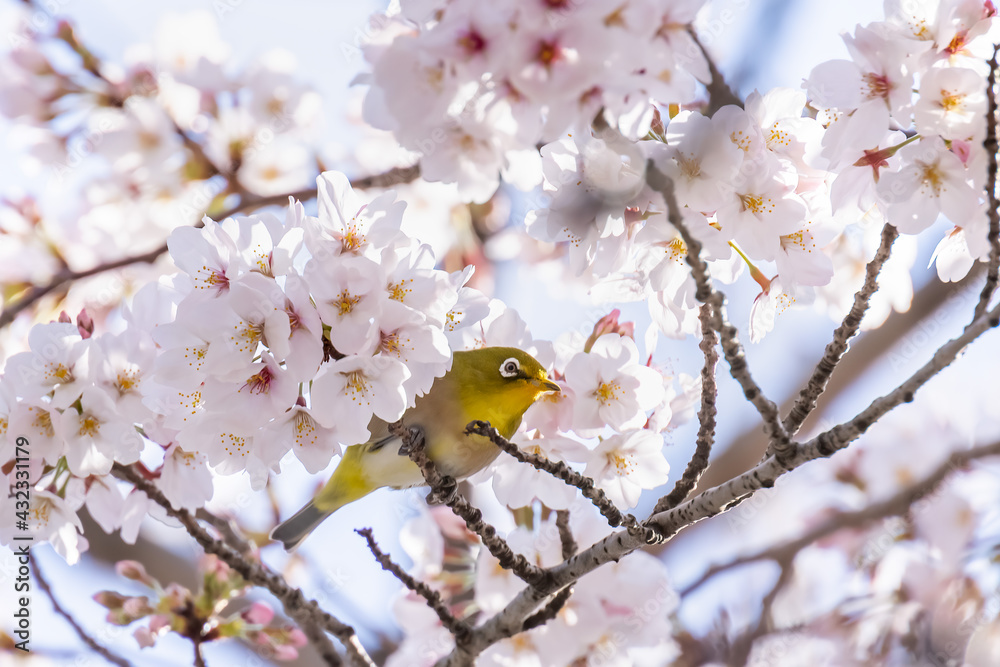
[(609, 324), (134, 570)]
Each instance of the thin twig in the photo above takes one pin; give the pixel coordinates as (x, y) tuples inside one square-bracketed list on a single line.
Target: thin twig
[(226, 530), (36, 292), (935, 299), (990, 144), (836, 348), (199, 659), (394, 176), (569, 546), (87, 639), (719, 92), (444, 491), (307, 613), (743, 644), (895, 505), (561, 471), (388, 178), (706, 418), (458, 628), (549, 611), (707, 294)]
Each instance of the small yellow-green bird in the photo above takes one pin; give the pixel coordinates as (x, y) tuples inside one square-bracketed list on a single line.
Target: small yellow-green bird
[(494, 384)]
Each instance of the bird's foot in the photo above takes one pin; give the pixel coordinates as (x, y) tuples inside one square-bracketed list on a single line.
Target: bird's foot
[(442, 493), (414, 438)]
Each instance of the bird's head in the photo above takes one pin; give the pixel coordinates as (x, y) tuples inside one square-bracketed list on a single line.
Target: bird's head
[(500, 383)]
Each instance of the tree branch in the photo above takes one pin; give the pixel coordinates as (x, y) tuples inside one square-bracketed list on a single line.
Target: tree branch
[(990, 144), (569, 546), (743, 644), (706, 418), (549, 611), (895, 505), (842, 336), (711, 502), (307, 613), (935, 301), (719, 92), (560, 470), (227, 531), (394, 176), (459, 629), (87, 639), (444, 490), (781, 444)]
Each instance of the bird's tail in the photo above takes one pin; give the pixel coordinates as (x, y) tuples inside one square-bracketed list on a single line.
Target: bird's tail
[(296, 528), (347, 484)]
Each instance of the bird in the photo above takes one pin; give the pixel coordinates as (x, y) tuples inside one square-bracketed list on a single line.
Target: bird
[(493, 384)]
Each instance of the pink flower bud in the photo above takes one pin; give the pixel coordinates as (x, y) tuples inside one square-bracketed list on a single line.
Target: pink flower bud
[(135, 571), (296, 637), (258, 614), (158, 623), (137, 607), (285, 653), (609, 324), (110, 599), (85, 323), (144, 637)]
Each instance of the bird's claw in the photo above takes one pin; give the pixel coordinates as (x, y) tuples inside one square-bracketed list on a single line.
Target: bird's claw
[(416, 434), (441, 494)]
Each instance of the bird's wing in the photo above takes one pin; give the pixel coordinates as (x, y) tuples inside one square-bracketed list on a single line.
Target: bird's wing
[(380, 435)]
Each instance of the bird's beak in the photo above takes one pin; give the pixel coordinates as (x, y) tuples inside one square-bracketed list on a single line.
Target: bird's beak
[(545, 384)]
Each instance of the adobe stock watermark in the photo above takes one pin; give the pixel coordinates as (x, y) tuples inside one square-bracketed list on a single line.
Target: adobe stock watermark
[(42, 17), (20, 491)]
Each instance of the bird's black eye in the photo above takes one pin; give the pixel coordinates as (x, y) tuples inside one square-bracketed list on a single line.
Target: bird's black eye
[(510, 368)]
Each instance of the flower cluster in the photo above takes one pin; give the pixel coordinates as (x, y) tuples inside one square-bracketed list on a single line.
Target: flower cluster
[(473, 89), (199, 616), (143, 147), (789, 181), (923, 68), (274, 336)]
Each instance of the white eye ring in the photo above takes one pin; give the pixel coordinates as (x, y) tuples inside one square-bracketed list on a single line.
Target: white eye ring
[(510, 368)]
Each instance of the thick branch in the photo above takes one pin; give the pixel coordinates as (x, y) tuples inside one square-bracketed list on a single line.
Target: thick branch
[(457, 628), (892, 506), (307, 613), (706, 418), (990, 144), (935, 299), (707, 294), (87, 639), (836, 348), (444, 490)]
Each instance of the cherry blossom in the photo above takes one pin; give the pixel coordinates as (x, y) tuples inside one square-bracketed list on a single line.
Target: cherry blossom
[(611, 387), (931, 181), (626, 463)]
